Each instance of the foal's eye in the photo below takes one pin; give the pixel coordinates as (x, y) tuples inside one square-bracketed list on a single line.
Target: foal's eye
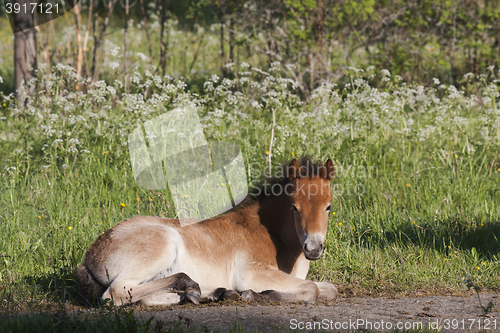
[(294, 208), (328, 208)]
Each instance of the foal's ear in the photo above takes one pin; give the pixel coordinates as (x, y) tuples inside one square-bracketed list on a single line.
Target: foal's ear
[(293, 170), (328, 170)]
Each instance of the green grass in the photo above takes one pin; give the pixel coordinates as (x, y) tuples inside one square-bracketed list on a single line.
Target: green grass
[(416, 208)]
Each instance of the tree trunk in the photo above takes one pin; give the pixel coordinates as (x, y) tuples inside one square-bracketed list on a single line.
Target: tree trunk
[(231, 40), (163, 43), (110, 4), (200, 43), (318, 22), (79, 57), (44, 45), (125, 64), (86, 39), (145, 24), (222, 55), (25, 62), (95, 37)]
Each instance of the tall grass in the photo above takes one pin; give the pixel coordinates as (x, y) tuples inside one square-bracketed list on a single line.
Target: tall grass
[(416, 204)]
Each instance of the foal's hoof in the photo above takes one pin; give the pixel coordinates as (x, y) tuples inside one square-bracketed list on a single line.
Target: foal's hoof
[(252, 296), (231, 295), (193, 295), (248, 295)]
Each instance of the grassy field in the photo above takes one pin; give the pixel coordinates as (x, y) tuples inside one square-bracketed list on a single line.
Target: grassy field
[(417, 189)]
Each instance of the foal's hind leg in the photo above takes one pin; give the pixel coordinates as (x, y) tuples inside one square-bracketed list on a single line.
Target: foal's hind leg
[(124, 292)]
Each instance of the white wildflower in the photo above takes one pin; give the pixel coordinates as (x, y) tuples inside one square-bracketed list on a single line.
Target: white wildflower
[(142, 56), (56, 141), (74, 141), (115, 51), (73, 150), (385, 72)]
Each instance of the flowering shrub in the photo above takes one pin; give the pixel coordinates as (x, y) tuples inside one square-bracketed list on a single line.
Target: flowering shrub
[(62, 122)]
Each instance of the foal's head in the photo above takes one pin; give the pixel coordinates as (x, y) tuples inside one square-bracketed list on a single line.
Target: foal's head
[(311, 202)]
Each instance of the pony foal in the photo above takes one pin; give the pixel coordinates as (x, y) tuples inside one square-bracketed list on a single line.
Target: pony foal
[(260, 249)]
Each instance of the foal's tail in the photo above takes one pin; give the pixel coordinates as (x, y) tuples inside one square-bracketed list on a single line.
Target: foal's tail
[(87, 286)]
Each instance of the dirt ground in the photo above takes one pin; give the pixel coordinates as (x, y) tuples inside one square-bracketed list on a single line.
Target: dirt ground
[(445, 313)]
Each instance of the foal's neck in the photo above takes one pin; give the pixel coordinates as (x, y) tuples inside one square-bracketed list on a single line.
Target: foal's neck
[(276, 215)]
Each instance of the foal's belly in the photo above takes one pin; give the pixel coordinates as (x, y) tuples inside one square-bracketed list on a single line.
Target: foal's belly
[(222, 271)]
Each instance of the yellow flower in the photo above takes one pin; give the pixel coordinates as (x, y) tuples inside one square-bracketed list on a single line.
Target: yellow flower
[(408, 185), (185, 196), (445, 259), (138, 199), (456, 156), (498, 170), (447, 153), (4, 104), (150, 200), (223, 184), (267, 152), (39, 217), (333, 213), (340, 223), (293, 154), (123, 205), (477, 268), (484, 264), (69, 228), (106, 152), (449, 246), (100, 223)]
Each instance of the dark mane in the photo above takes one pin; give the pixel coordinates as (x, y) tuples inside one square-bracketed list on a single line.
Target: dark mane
[(256, 191)]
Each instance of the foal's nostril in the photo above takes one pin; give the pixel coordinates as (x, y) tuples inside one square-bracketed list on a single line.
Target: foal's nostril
[(313, 247)]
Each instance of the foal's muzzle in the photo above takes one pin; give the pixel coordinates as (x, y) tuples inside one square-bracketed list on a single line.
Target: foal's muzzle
[(312, 248)]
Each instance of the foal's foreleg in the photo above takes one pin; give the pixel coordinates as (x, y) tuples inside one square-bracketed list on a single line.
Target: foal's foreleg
[(220, 294), (327, 291), (124, 292), (275, 285)]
